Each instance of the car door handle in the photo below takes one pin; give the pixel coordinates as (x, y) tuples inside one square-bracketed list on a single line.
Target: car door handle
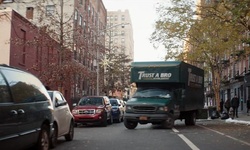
[(21, 111), (13, 112)]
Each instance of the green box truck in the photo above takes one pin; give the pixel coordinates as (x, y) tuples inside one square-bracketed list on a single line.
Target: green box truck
[(166, 91)]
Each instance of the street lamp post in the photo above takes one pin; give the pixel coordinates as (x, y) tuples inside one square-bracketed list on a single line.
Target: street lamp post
[(98, 55)]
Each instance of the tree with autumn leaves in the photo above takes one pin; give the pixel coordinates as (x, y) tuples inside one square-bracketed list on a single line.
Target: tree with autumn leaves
[(203, 34)]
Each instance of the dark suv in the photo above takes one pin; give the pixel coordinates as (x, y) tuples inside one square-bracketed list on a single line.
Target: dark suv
[(93, 110), (25, 110)]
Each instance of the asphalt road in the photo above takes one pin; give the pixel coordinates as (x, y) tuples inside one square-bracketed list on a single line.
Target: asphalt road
[(206, 135)]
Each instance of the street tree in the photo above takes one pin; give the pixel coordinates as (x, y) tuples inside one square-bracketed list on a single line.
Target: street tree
[(116, 66), (201, 41)]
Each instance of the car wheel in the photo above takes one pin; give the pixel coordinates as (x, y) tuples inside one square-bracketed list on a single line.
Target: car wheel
[(70, 135), (130, 124), (110, 121), (119, 118), (104, 121), (43, 139), (53, 139)]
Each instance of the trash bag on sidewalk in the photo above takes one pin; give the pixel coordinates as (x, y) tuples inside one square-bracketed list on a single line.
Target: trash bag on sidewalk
[(224, 115), (215, 115)]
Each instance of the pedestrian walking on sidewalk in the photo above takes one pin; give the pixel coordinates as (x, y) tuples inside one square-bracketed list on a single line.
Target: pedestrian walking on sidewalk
[(248, 105), (235, 102), (227, 105), (221, 106)]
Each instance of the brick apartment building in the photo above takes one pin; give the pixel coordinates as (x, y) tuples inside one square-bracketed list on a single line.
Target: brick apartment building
[(86, 21)]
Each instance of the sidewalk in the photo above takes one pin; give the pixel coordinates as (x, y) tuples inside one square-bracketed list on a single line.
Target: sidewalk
[(243, 119)]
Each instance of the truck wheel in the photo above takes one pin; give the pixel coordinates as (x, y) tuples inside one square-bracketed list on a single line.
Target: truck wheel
[(169, 123), (129, 124), (190, 119)]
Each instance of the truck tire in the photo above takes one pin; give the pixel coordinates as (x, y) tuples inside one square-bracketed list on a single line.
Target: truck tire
[(169, 123), (190, 119), (130, 124)]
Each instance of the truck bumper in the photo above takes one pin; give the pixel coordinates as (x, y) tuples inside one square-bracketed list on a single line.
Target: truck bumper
[(147, 118)]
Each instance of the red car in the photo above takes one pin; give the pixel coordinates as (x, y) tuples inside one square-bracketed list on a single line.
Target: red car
[(93, 110)]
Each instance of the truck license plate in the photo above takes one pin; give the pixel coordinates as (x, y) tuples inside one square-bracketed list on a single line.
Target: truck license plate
[(143, 118)]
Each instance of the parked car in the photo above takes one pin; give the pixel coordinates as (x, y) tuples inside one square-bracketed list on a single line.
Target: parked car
[(25, 110), (63, 119), (92, 110), (117, 110)]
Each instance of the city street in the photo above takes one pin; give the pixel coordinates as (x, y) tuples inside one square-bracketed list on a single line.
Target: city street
[(206, 135)]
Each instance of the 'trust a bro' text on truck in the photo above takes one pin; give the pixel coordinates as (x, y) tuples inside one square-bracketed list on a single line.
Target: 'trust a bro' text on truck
[(166, 91)]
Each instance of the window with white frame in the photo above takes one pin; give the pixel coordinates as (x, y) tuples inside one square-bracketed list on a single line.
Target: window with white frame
[(80, 20), (50, 10), (76, 14)]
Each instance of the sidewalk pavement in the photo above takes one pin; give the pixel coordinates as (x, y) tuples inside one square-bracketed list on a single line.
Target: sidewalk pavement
[(243, 119)]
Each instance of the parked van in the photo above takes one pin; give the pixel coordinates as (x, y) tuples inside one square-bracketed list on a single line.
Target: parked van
[(25, 110)]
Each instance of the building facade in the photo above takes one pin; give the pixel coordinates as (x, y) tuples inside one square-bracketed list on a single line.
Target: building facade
[(77, 26), (235, 77), (120, 36)]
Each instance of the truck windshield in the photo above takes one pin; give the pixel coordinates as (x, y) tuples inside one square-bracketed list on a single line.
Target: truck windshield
[(152, 92)]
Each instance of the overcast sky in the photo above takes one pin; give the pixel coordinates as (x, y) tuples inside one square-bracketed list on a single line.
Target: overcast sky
[(143, 15)]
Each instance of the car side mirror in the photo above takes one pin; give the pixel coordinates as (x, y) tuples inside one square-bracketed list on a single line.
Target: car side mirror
[(74, 104)]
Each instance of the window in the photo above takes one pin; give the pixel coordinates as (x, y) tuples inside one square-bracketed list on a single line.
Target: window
[(207, 1), (7, 1), (50, 10), (80, 20), (25, 87), (29, 12), (59, 99), (122, 33), (123, 18), (76, 14), (4, 92)]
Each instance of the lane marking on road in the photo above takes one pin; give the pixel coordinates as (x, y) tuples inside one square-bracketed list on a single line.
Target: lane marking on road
[(186, 140), (233, 138)]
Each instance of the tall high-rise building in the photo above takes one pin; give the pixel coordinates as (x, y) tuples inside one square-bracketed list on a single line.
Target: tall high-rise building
[(120, 35)]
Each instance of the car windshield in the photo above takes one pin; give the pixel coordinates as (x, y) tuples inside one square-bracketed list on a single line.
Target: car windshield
[(114, 102), (91, 101), (152, 92)]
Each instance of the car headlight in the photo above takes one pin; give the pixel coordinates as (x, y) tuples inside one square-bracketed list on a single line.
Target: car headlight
[(74, 112), (128, 108), (163, 108), (115, 109), (98, 111)]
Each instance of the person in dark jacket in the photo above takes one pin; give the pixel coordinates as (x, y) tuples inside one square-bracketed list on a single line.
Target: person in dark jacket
[(221, 105), (227, 105), (235, 102), (248, 105)]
